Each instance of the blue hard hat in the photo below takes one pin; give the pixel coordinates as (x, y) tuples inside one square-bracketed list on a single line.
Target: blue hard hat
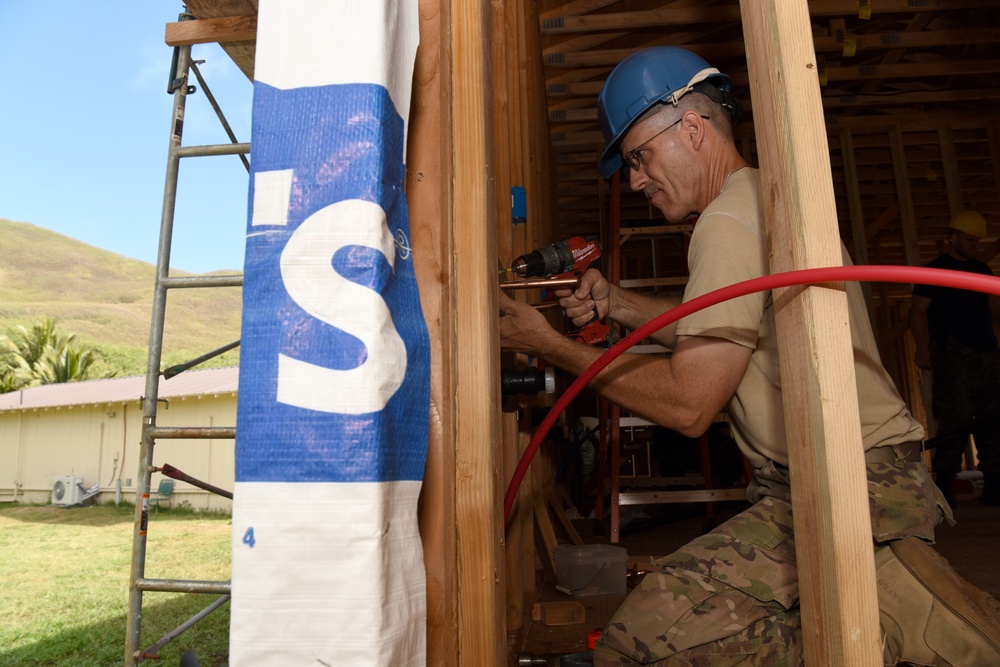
[(652, 76)]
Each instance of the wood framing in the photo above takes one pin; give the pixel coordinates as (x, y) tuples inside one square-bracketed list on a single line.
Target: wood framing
[(478, 457), (504, 95), (833, 540), (222, 30), (429, 190)]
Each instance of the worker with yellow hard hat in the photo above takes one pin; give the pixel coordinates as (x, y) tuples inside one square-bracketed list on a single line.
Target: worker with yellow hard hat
[(953, 331)]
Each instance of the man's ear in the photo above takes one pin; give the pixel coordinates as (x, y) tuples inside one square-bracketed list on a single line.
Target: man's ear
[(695, 127)]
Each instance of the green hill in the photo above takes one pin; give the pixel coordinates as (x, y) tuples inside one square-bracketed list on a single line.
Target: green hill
[(106, 300)]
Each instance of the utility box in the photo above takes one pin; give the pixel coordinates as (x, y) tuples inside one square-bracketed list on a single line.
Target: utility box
[(67, 490), (591, 569)]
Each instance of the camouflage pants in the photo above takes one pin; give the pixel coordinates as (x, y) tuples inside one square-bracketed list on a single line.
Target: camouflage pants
[(730, 597), (966, 399)]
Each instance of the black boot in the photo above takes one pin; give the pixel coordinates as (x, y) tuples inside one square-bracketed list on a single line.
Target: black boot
[(945, 483), (991, 488)]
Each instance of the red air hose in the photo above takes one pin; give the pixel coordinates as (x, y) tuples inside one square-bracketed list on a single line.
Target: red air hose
[(886, 274)]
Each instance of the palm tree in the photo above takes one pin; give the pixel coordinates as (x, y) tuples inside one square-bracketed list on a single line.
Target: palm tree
[(64, 364), (38, 355)]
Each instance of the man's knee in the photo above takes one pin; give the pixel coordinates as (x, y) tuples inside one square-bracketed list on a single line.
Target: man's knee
[(774, 640)]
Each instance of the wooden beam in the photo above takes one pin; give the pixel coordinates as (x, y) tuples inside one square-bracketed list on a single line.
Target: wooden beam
[(833, 540), (670, 16), (242, 53), (854, 198), (905, 196), (884, 218), (880, 41), (575, 8), (570, 53), (949, 162), (874, 86), (478, 460), (913, 70), (856, 212), (857, 100), (993, 134), (928, 122), (429, 192), (661, 17), (222, 30), (919, 71)]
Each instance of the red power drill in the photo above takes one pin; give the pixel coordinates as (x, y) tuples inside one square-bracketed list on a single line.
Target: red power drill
[(566, 259)]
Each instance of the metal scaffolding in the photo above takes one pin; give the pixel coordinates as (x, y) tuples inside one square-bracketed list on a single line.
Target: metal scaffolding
[(181, 67)]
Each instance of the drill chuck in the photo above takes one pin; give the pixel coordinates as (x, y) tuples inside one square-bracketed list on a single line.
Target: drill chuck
[(571, 255), (548, 261)]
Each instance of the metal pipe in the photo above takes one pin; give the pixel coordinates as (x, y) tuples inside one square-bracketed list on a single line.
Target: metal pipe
[(551, 282), (174, 473), (180, 368), (212, 149), (218, 111), (134, 616), (183, 586), (152, 653), (180, 282), (200, 432)]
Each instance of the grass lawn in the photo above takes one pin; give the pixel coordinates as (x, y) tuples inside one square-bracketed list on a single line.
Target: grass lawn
[(64, 584)]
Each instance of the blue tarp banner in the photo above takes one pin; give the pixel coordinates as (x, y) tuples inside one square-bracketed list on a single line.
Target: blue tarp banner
[(334, 394), (334, 275)]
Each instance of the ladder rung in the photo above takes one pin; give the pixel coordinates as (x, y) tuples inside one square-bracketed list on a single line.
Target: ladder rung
[(213, 149), (177, 432), (202, 281), (183, 586), (691, 496)]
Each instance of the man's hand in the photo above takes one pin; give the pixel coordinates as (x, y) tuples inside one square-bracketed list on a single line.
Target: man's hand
[(522, 328), (594, 291)]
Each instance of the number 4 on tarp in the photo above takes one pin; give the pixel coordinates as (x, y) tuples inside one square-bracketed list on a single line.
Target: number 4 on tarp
[(248, 538)]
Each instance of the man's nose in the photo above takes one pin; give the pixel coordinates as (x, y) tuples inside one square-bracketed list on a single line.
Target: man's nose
[(637, 178)]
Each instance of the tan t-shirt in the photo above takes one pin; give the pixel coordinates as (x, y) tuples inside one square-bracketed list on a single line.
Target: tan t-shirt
[(729, 245)]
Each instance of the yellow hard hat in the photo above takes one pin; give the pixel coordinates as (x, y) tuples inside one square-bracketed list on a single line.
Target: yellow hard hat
[(969, 222)]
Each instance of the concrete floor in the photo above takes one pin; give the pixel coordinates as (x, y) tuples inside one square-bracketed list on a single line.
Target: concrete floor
[(972, 547)]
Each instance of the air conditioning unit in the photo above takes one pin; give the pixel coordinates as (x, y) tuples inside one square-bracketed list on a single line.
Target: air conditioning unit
[(67, 490)]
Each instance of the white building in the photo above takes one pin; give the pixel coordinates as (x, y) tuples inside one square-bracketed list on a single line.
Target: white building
[(92, 430)]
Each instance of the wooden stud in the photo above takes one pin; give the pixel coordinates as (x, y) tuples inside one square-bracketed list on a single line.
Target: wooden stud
[(905, 196), (993, 132), (555, 504), (667, 15), (478, 460), (222, 30), (429, 193), (949, 162), (856, 210), (840, 623)]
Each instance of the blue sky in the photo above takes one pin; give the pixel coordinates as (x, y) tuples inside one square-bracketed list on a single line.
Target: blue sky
[(85, 125)]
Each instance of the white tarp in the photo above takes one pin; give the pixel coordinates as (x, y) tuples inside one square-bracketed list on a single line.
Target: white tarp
[(334, 369)]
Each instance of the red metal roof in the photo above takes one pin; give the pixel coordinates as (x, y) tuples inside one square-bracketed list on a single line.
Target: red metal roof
[(122, 390)]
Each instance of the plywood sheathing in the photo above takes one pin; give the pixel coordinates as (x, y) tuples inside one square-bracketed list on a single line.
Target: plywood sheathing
[(242, 52)]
